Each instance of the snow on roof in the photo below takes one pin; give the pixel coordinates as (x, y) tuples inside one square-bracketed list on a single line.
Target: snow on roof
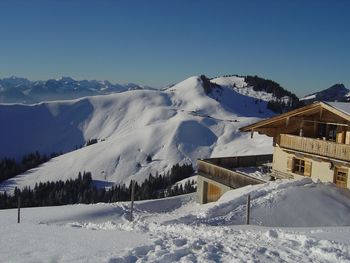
[(258, 172), (309, 97), (342, 106)]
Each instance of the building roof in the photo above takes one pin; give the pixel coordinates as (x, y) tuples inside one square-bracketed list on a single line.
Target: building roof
[(339, 108)]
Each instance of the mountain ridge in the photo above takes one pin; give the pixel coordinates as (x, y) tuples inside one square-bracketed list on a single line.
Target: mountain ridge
[(21, 90), (178, 125), (337, 92)]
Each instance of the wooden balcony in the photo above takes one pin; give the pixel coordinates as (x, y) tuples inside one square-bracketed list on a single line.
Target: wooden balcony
[(222, 169), (316, 146)]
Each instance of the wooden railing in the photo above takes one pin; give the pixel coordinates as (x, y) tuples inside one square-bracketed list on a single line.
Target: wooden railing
[(316, 146), (221, 169), (281, 175)]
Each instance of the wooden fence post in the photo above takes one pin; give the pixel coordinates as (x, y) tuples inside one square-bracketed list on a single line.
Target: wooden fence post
[(19, 208), (248, 210), (132, 199)]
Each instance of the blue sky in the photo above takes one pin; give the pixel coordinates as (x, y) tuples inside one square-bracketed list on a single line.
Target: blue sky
[(303, 45)]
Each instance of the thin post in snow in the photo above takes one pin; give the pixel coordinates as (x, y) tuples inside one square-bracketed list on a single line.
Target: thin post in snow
[(132, 199), (19, 208), (248, 210)]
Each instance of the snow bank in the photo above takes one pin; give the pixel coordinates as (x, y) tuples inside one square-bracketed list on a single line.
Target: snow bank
[(177, 229), (184, 181), (286, 203)]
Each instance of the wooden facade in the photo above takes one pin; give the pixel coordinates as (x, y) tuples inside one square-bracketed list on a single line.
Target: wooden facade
[(213, 192), (217, 175), (315, 146), (225, 176)]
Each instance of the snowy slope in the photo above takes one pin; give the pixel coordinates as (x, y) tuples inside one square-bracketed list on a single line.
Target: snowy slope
[(179, 230), (180, 124), (240, 86), (283, 203)]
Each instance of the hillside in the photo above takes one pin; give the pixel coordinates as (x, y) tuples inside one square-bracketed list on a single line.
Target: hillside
[(292, 221), (178, 125), (278, 99)]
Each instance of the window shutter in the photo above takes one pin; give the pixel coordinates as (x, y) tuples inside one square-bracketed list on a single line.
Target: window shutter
[(341, 132), (307, 168), (339, 137), (289, 163), (347, 137)]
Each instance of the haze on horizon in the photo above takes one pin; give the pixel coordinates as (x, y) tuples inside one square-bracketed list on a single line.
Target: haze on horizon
[(301, 45)]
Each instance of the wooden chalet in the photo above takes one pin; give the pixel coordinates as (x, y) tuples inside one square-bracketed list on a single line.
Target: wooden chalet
[(311, 141)]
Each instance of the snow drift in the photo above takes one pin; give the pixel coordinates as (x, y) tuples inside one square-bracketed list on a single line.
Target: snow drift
[(283, 203)]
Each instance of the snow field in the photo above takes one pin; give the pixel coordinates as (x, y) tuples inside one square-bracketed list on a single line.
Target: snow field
[(232, 244), (177, 229), (282, 203)]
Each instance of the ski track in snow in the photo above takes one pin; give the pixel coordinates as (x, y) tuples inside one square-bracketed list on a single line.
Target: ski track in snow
[(177, 229), (203, 243), (184, 243)]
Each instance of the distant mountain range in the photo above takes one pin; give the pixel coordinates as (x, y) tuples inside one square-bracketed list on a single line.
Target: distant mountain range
[(337, 92), (21, 90)]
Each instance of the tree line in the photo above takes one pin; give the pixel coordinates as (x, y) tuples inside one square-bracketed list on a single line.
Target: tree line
[(82, 190), (10, 167), (269, 86), (208, 86), (279, 105)]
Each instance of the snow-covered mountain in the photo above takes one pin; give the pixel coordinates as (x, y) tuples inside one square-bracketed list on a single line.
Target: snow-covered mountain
[(21, 90), (240, 85), (178, 125), (337, 92)]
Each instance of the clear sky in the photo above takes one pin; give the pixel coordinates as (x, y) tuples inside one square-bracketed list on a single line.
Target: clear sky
[(303, 45)]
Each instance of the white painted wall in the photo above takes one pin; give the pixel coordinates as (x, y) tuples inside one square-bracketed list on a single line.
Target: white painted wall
[(320, 167)]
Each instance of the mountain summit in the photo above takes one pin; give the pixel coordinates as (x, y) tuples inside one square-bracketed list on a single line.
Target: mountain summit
[(337, 92)]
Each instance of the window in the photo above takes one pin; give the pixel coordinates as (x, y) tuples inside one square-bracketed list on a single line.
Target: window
[(321, 130), (332, 132), (299, 166), (327, 131), (341, 177)]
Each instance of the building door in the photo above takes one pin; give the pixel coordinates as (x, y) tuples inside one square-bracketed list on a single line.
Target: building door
[(214, 193), (341, 177)]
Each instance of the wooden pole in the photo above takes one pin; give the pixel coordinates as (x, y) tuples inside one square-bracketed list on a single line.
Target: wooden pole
[(248, 210), (19, 208), (132, 199)]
